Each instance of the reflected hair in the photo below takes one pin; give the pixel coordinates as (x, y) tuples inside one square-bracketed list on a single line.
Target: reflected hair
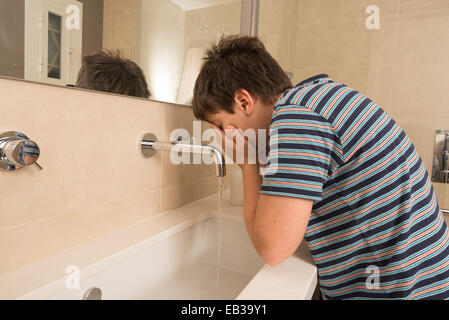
[(237, 62), (108, 71)]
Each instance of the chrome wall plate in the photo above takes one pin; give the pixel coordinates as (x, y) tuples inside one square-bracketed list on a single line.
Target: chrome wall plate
[(146, 145), (17, 151), (440, 165)]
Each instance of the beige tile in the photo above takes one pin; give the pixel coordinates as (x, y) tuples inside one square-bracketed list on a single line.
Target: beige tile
[(122, 7), (422, 5), (95, 181), (420, 91), (122, 30), (355, 77), (103, 219), (121, 213), (421, 131), (422, 38), (435, 4), (378, 87), (440, 189), (345, 43), (108, 7), (176, 196), (445, 205), (126, 52), (28, 242), (107, 32), (100, 163), (318, 11), (410, 6)]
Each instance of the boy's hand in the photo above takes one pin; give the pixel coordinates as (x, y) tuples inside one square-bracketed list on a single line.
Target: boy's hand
[(235, 145)]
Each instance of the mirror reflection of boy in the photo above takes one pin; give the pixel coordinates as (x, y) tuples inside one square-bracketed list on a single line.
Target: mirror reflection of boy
[(344, 177), (107, 71)]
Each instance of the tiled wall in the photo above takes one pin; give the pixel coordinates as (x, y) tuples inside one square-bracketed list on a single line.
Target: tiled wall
[(118, 26), (403, 66), (206, 25), (157, 45), (95, 180), (278, 30)]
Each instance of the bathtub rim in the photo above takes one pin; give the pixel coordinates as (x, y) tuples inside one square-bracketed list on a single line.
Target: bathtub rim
[(58, 285)]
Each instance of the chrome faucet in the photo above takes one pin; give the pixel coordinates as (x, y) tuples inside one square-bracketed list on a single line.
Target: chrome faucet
[(17, 151), (149, 146), (445, 154)]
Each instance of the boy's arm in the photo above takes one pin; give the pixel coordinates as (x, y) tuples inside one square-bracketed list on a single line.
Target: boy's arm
[(275, 224)]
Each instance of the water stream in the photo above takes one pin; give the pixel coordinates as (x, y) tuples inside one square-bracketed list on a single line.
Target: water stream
[(220, 231)]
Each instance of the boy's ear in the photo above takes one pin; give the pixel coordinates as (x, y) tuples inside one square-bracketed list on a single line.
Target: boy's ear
[(244, 101)]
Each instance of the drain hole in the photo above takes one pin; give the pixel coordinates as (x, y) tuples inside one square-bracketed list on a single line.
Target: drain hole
[(92, 294)]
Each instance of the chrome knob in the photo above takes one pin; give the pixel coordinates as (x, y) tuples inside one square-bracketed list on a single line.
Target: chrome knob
[(17, 151)]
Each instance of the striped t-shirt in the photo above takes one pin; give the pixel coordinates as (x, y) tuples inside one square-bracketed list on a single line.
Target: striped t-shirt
[(376, 230)]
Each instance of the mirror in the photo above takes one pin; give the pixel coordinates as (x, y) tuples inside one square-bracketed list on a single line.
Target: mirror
[(44, 40)]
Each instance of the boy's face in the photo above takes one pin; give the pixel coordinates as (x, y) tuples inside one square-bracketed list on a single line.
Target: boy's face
[(249, 113)]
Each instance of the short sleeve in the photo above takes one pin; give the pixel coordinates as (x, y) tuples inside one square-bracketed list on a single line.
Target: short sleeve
[(304, 151)]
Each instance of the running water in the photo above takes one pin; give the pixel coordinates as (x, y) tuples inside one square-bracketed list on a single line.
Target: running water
[(220, 231)]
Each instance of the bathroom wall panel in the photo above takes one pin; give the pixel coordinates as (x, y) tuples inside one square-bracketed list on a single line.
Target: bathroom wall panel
[(95, 180), (403, 66)]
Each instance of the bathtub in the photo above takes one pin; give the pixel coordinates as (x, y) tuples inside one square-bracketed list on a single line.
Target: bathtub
[(181, 262)]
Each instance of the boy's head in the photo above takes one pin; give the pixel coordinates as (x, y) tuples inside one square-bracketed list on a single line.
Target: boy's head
[(238, 84), (109, 72)]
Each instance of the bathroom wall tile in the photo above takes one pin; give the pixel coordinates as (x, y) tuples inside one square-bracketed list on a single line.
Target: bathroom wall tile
[(126, 52), (107, 32), (378, 86), (330, 45), (182, 118), (176, 196), (95, 180), (410, 6), (435, 4), (427, 28), (421, 131), (440, 192), (122, 30), (345, 43), (445, 205), (318, 11), (354, 76), (279, 35), (407, 6), (121, 213), (122, 7), (420, 91), (108, 7), (30, 241), (99, 164)]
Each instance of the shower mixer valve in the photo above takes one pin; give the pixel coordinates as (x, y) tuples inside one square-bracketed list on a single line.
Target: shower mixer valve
[(17, 151)]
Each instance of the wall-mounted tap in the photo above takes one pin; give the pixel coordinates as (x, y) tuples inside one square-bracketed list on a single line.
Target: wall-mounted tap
[(149, 145), (17, 151), (445, 154)]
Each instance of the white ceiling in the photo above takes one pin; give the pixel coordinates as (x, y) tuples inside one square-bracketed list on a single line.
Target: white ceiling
[(187, 5)]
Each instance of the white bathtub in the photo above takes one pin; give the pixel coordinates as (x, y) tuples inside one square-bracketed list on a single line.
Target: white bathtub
[(181, 263)]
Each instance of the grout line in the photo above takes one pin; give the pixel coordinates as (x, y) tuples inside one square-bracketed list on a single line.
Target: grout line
[(343, 20)]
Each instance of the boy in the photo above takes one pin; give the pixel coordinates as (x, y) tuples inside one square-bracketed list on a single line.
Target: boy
[(346, 178), (109, 72)]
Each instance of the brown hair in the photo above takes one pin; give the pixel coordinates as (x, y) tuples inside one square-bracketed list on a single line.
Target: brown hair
[(108, 71), (237, 62)]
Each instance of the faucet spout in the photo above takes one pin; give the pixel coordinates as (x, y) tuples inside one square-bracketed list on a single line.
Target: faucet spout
[(149, 146)]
